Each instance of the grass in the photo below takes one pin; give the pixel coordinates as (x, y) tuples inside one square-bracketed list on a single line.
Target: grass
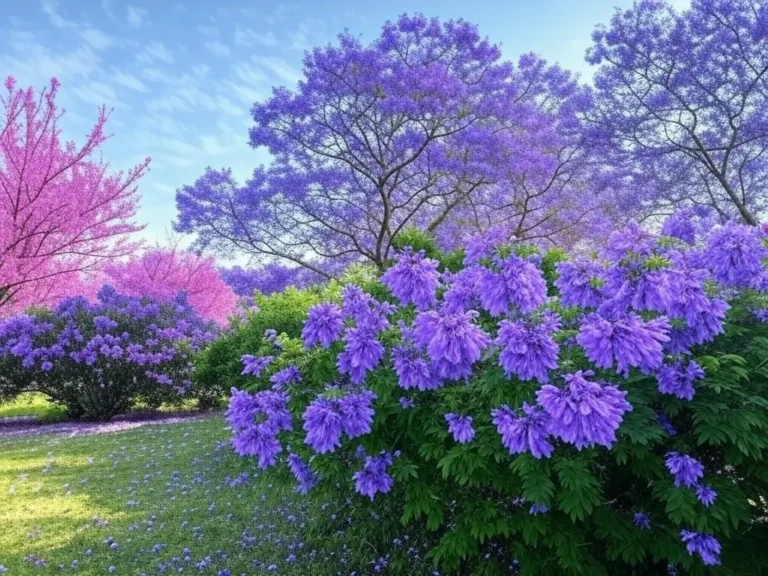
[(33, 404), (161, 499)]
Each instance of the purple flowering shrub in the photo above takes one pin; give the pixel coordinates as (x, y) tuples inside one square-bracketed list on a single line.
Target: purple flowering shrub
[(99, 358), (604, 414)]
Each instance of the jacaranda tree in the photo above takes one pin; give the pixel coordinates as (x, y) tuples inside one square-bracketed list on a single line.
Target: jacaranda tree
[(682, 104), (61, 211), (162, 272), (598, 415), (424, 127)]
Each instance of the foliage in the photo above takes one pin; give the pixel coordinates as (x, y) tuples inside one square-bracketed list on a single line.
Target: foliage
[(617, 426), (161, 273), (99, 358), (61, 211), (681, 101), (424, 127), (218, 366)]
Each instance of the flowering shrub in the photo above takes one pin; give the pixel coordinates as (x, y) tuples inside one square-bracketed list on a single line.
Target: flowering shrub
[(99, 358), (600, 415)]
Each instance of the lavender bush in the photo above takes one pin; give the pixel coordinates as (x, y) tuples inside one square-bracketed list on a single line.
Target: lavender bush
[(100, 358), (603, 415)]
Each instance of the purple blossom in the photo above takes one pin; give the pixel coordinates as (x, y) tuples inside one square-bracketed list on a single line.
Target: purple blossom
[(357, 413), (686, 469), (706, 494), (257, 440), (374, 477), (642, 521), (528, 350), (526, 433), (517, 285), (362, 353), (323, 325), (286, 376), (705, 545), (364, 309), (104, 323), (704, 328), (406, 403), (630, 240), (484, 245), (413, 279), (255, 365), (452, 342), (678, 379), (461, 294), (537, 509), (584, 413), (323, 425), (412, 369), (579, 283), (680, 225), (460, 428), (303, 474), (627, 341), (734, 253)]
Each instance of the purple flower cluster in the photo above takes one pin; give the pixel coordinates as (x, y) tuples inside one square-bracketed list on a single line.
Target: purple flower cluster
[(304, 475), (326, 418), (627, 341), (460, 428), (686, 469), (323, 325), (452, 341), (705, 545), (579, 283), (516, 285), (734, 253), (362, 352), (374, 477), (528, 350), (526, 433), (678, 379), (255, 365), (584, 413), (256, 420), (413, 280)]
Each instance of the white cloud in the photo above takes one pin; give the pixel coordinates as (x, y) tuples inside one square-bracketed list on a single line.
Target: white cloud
[(136, 16), (211, 145), (155, 51), (39, 63), (279, 68), (98, 93), (107, 9), (164, 188), (51, 9), (129, 81), (97, 39), (208, 30), (217, 48), (250, 38), (228, 107)]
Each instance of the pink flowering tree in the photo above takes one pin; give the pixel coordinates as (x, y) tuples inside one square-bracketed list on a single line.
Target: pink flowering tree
[(163, 272), (62, 212)]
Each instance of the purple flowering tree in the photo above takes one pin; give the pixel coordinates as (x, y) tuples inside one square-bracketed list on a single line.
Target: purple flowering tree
[(612, 404), (99, 357), (424, 127), (682, 104)]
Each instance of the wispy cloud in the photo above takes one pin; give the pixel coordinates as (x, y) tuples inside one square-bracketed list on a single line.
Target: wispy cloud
[(279, 68), (217, 48), (136, 16), (129, 81), (97, 39), (155, 51), (211, 145), (51, 9), (249, 38), (208, 30), (98, 93)]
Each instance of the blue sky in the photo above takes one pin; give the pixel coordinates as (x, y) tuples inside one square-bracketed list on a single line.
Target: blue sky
[(181, 76)]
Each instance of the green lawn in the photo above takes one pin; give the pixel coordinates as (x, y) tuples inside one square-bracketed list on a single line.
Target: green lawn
[(32, 404), (162, 499)]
